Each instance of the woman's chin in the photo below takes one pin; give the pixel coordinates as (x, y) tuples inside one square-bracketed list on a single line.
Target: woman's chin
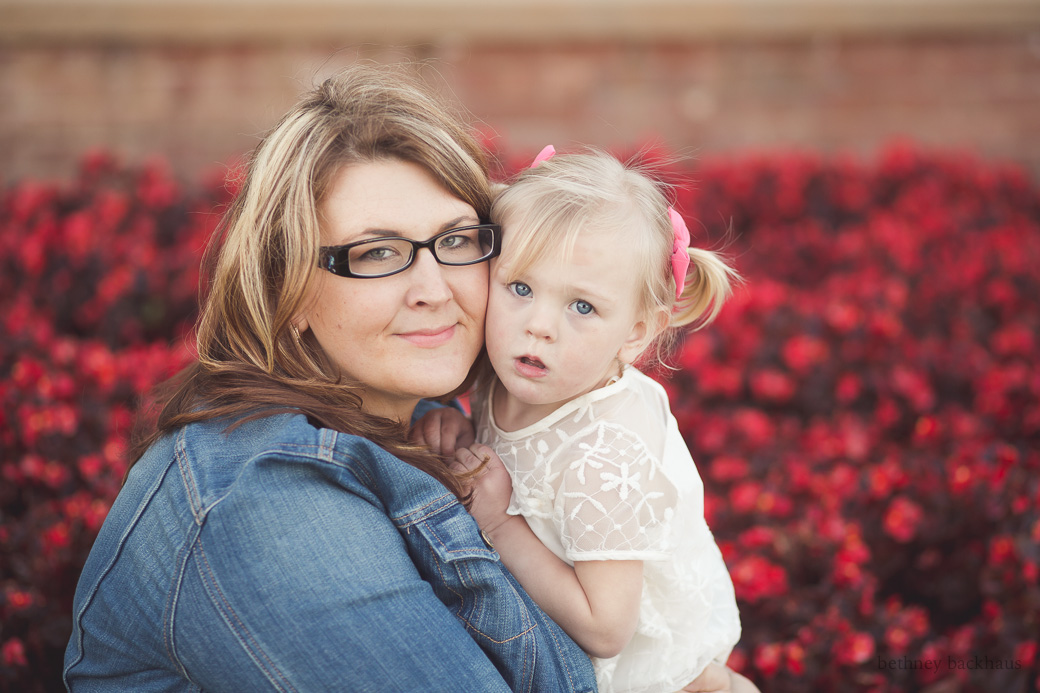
[(445, 387)]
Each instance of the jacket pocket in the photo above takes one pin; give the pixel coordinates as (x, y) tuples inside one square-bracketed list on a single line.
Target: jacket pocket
[(468, 576)]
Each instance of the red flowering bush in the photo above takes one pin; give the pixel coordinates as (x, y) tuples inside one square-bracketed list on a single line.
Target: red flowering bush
[(99, 283), (865, 413)]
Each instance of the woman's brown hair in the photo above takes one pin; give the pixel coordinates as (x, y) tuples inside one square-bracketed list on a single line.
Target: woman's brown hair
[(265, 252)]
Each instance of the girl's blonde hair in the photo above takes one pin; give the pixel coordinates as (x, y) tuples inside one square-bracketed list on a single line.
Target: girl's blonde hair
[(547, 207)]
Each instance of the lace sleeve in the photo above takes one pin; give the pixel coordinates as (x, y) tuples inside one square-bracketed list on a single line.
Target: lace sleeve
[(614, 502)]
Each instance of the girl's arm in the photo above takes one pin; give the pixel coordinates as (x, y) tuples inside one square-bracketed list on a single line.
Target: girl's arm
[(595, 602)]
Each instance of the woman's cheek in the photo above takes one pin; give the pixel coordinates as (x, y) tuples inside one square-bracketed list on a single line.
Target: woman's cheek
[(479, 292)]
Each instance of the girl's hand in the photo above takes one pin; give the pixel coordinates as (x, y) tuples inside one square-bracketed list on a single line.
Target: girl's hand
[(720, 679), (444, 430), (714, 679), (491, 485)]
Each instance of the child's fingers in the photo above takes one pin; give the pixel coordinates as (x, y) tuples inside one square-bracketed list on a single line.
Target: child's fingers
[(443, 431), (465, 436), (450, 431), (479, 457), (493, 476), (454, 431), (457, 432), (431, 431), (466, 460), (481, 451), (426, 430)]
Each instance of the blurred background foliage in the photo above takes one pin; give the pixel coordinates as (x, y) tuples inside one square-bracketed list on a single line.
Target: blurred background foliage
[(865, 414)]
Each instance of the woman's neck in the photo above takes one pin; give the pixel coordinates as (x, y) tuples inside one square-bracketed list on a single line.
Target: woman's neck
[(393, 409)]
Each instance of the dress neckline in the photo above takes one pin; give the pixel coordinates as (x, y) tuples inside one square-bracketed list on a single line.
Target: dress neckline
[(614, 385)]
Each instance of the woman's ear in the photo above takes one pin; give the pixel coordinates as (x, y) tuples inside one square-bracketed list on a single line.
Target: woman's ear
[(643, 334), (300, 319)]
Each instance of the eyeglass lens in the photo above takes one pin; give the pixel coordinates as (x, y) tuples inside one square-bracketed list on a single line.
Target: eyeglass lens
[(455, 247)]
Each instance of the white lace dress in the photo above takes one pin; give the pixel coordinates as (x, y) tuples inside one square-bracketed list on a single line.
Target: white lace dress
[(608, 476)]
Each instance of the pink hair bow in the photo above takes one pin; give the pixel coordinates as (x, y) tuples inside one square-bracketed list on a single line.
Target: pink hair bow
[(547, 153), (680, 258)]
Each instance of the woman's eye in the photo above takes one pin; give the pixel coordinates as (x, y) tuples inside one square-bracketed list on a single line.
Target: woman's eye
[(453, 242), (583, 307), (520, 289), (380, 254)]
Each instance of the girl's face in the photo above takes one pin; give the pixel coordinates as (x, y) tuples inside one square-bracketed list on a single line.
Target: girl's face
[(410, 335), (560, 329)]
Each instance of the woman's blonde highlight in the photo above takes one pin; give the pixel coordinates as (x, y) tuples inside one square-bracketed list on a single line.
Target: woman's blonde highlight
[(262, 261)]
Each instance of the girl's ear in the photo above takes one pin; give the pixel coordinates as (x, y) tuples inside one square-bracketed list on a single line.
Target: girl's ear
[(643, 334)]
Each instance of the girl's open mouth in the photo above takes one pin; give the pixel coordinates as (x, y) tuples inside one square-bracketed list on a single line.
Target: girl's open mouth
[(530, 367)]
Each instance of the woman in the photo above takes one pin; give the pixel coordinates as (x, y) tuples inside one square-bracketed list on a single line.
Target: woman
[(279, 531)]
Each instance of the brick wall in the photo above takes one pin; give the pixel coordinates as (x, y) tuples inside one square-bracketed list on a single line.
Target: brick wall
[(200, 103)]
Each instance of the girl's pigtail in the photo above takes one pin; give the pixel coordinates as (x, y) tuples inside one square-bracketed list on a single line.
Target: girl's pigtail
[(709, 282)]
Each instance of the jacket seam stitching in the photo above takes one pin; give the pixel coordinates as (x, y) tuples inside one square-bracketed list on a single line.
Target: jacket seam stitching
[(564, 661), (472, 550), (169, 639), (78, 618), (237, 626), (430, 513), (194, 499)]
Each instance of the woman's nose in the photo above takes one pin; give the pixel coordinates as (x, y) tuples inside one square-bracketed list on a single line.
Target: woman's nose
[(429, 285)]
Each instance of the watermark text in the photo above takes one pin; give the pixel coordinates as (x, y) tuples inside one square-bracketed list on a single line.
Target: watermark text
[(951, 662)]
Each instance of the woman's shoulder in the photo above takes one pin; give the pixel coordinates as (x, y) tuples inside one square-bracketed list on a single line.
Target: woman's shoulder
[(285, 433), (224, 443), (218, 457)]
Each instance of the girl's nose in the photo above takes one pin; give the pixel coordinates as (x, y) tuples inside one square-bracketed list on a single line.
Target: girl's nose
[(541, 325)]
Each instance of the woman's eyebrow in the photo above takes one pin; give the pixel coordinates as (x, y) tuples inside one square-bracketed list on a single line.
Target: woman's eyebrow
[(465, 219), (458, 221)]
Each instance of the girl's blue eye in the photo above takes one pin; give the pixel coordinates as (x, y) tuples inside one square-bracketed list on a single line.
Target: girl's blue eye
[(520, 289), (583, 307)]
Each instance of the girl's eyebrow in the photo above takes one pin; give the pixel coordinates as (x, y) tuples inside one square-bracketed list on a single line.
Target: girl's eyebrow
[(589, 293)]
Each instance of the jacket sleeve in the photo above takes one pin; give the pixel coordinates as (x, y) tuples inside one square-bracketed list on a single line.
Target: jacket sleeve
[(294, 583), (427, 405)]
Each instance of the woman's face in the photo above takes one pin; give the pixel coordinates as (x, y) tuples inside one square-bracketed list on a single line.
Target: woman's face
[(410, 335)]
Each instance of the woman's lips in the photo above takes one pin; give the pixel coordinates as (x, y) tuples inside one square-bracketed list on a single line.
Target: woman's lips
[(530, 367), (429, 338)]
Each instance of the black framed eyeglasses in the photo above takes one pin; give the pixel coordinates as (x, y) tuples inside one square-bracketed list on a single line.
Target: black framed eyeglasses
[(381, 257)]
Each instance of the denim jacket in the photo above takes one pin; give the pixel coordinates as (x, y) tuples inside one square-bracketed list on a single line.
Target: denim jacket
[(279, 556)]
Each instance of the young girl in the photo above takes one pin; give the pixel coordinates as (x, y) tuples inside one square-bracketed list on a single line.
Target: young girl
[(601, 514)]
